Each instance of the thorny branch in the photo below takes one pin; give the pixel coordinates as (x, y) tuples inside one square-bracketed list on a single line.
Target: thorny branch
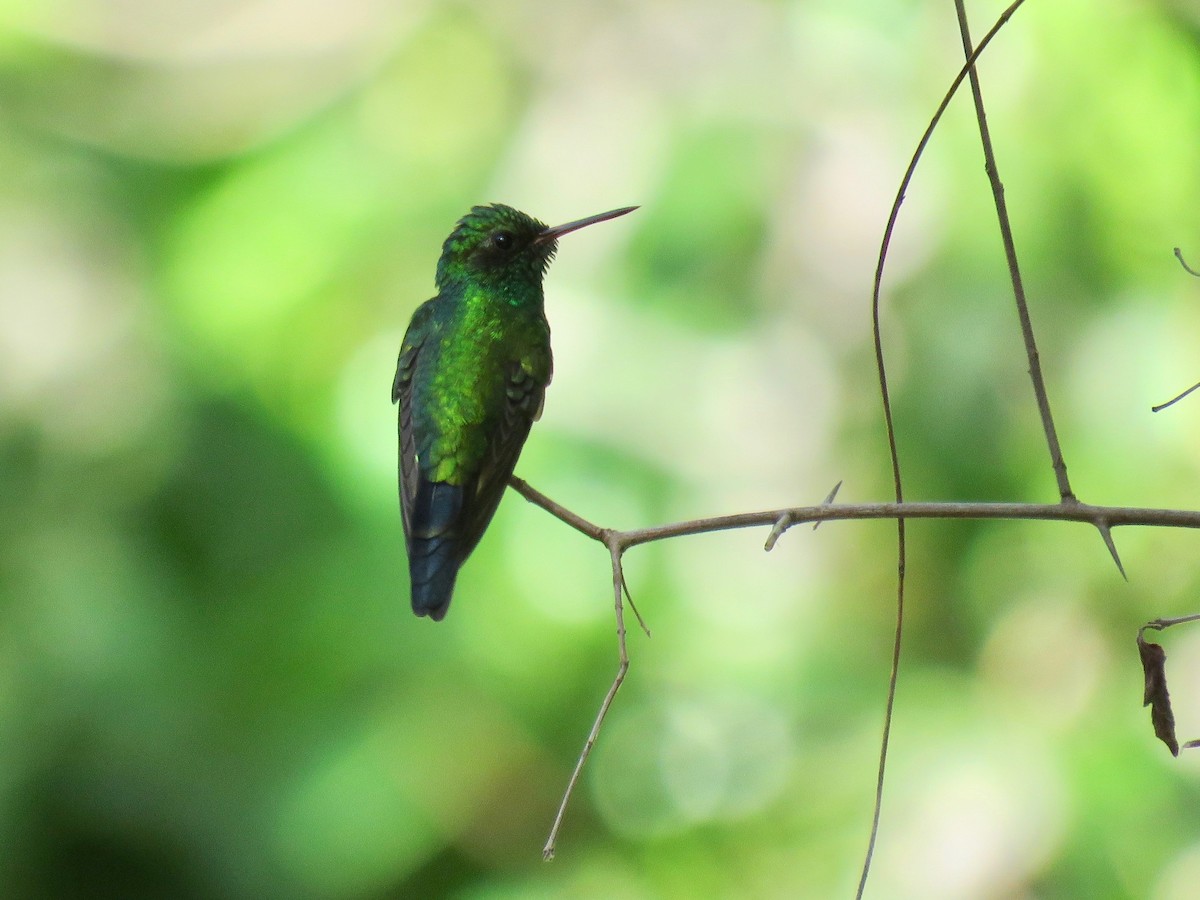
[(618, 542), (1099, 517)]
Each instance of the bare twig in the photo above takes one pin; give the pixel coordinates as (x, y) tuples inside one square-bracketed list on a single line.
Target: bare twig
[(1057, 462), (611, 540), (580, 524), (1175, 399), (1163, 624), (1096, 516), (617, 542), (889, 422), (1014, 270), (890, 228), (893, 677), (1183, 262)]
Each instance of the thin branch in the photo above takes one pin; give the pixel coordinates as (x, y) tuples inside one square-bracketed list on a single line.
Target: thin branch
[(580, 524), (1087, 513), (1163, 624), (1096, 516), (890, 228), (1103, 518), (889, 421), (1014, 270), (1177, 398), (1174, 400), (610, 539), (533, 495), (889, 706), (1183, 262)]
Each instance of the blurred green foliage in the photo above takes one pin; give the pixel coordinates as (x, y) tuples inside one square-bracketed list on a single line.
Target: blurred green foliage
[(215, 221)]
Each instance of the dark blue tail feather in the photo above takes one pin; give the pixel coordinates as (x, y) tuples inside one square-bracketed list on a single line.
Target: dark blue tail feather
[(433, 557), (433, 567)]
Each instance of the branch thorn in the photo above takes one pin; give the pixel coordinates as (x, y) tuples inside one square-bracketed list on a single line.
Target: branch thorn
[(782, 524), (828, 501), (1106, 533), (785, 521), (632, 605)]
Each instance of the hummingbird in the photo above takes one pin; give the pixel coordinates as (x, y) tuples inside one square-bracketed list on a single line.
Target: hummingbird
[(470, 382)]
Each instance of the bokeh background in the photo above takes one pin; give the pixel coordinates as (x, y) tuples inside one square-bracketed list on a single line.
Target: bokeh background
[(215, 220)]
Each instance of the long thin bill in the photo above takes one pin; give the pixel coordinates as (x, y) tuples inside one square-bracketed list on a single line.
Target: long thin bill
[(553, 234)]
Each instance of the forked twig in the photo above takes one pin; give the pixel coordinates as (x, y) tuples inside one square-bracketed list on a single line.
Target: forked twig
[(617, 542), (615, 551)]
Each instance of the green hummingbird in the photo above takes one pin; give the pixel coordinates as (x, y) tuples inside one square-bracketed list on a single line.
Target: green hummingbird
[(470, 381)]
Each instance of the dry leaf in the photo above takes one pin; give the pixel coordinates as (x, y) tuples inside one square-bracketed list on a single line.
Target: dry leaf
[(1156, 696)]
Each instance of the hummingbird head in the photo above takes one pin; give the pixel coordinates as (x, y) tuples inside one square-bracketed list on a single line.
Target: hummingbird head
[(494, 243), (500, 245)]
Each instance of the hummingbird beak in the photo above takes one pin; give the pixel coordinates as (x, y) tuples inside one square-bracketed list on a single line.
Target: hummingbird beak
[(553, 234)]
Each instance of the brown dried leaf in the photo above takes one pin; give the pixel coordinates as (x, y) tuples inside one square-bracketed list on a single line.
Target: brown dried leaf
[(1156, 696)]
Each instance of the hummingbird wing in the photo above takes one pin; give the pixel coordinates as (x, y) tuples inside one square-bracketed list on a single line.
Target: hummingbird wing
[(524, 394), (410, 348)]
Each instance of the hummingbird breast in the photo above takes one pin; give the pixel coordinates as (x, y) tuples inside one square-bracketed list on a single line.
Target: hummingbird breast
[(463, 385)]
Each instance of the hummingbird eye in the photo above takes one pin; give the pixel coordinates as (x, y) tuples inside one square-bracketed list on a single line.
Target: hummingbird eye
[(502, 240)]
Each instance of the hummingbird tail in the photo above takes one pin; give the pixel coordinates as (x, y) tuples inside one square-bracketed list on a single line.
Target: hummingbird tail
[(433, 565), (433, 557)]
